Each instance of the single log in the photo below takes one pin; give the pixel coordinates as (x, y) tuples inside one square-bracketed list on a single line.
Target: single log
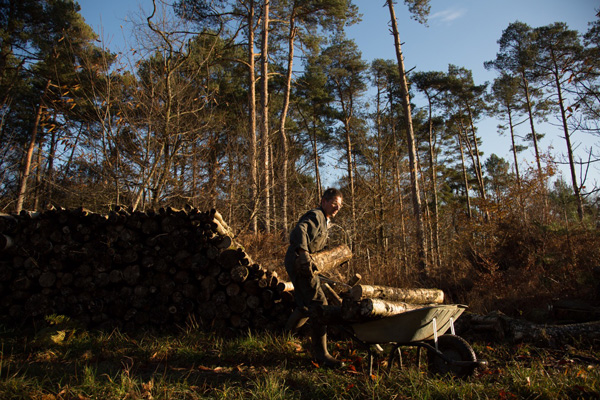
[(212, 252), (238, 321), (253, 302), (237, 304), (354, 279), (503, 327), (181, 276), (131, 274), (573, 311), (239, 274), (285, 286), (233, 289), (47, 279), (251, 287), (190, 291), (229, 259), (221, 228), (219, 297), (8, 223), (6, 242), (222, 241), (331, 258), (207, 287), (370, 308), (102, 279), (415, 296), (224, 278), (263, 283)]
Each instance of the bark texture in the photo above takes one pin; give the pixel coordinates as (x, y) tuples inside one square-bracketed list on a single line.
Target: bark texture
[(408, 295)]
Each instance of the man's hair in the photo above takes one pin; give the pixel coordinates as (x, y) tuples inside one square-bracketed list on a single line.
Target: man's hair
[(331, 193)]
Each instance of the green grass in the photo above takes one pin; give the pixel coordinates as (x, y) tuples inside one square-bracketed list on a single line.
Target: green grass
[(62, 361)]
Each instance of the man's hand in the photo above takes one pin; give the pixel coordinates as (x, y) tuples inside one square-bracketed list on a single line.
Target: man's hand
[(305, 265)]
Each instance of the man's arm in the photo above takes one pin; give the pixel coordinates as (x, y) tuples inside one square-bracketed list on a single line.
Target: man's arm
[(304, 232)]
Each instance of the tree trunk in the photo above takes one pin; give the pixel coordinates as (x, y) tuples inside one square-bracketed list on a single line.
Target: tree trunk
[(252, 120), (433, 173), (350, 170), (265, 116), (380, 189), (412, 152), (49, 181), (477, 165), (282, 132), (465, 175), (37, 193), (398, 188), (531, 124), (563, 115), (29, 154), (514, 145), (314, 141)]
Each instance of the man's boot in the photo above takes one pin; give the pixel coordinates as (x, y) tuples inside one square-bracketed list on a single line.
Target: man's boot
[(296, 320), (319, 348)]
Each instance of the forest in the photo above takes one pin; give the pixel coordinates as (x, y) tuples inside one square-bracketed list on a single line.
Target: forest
[(232, 105)]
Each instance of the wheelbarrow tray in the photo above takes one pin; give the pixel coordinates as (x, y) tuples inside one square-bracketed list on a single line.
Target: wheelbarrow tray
[(412, 326)]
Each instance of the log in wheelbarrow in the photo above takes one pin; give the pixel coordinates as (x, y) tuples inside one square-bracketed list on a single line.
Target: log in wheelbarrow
[(427, 327)]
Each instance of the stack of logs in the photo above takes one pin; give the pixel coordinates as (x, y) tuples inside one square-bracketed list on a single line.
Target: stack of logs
[(365, 302), (351, 302), (134, 269)]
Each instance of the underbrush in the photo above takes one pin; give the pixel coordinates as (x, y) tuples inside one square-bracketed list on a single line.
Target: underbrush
[(512, 265), (61, 361)]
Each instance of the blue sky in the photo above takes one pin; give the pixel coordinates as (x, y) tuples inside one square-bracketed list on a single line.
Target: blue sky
[(459, 32)]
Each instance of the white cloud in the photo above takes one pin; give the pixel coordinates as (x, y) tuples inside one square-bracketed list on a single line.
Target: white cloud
[(448, 15)]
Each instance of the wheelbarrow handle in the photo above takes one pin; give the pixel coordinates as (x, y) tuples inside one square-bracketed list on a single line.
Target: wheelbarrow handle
[(327, 280)]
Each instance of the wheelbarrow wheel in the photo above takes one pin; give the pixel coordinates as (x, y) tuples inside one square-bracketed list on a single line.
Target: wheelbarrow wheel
[(454, 348)]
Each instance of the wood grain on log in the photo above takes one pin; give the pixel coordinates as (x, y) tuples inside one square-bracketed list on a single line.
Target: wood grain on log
[(409, 295), (326, 260)]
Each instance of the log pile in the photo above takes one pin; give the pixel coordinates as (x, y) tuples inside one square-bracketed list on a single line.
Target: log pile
[(131, 270), (367, 302)]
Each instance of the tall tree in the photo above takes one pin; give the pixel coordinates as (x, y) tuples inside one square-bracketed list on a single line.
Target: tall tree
[(559, 53), (420, 10), (517, 57), (379, 72), (469, 101), (315, 111), (264, 128), (302, 17), (346, 73), (505, 92), (498, 171), (587, 79), (17, 21), (432, 84), (55, 37)]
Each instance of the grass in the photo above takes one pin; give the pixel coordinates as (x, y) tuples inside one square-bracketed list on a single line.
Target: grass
[(62, 361)]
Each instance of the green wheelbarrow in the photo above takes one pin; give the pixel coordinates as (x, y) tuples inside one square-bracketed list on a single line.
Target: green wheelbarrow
[(426, 328)]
